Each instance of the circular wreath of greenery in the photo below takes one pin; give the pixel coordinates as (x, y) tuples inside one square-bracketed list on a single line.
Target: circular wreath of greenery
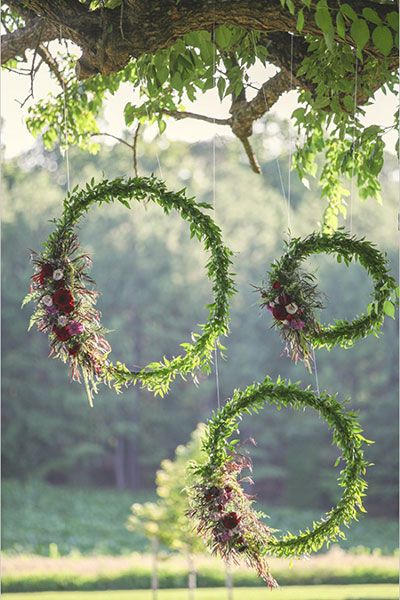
[(293, 298), (223, 511), (65, 306)]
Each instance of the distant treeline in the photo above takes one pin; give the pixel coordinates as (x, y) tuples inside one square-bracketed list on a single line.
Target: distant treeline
[(154, 289)]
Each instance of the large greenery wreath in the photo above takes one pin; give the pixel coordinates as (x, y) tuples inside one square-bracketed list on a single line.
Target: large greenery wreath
[(292, 295), (65, 306), (223, 510)]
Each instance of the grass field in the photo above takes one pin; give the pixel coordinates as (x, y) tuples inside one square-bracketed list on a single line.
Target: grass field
[(344, 592), (36, 515)]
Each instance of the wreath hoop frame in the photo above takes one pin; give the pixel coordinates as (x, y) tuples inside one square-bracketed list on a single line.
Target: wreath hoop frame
[(157, 376), (254, 541), (300, 286)]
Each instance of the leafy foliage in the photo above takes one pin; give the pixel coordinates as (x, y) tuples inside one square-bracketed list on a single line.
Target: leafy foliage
[(290, 287), (139, 253), (220, 471), (166, 520), (157, 376), (336, 78)]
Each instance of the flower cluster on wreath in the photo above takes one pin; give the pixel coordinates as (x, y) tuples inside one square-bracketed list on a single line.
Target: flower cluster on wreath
[(65, 311)]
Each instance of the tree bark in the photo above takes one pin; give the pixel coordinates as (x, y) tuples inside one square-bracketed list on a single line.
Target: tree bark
[(108, 42)]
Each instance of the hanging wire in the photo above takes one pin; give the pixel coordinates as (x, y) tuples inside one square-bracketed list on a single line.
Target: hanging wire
[(353, 144), (290, 139), (65, 126), (217, 385), (284, 194), (316, 371)]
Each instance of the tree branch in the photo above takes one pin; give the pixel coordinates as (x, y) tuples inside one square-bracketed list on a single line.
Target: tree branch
[(52, 64), (254, 164), (183, 114), (18, 42), (156, 24)]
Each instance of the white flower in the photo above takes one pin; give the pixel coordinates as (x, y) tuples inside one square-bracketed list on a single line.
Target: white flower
[(58, 274), (292, 308), (47, 300), (62, 320)]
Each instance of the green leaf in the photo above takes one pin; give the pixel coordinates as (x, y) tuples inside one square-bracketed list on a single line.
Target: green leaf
[(161, 125), (348, 102), (340, 25), (300, 20), (389, 308), (324, 21), (291, 6), (371, 15), (383, 39), (221, 87), (360, 33), (347, 11), (393, 19), (223, 37)]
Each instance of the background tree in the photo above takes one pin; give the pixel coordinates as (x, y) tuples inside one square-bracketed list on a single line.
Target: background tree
[(158, 273), (337, 55), (166, 522)]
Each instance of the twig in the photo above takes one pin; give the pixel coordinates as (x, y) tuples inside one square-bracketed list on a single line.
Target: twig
[(52, 64), (135, 140), (254, 164), (132, 147), (182, 114), (115, 137)]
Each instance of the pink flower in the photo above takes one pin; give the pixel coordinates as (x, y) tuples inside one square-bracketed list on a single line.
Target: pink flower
[(224, 536), (295, 324), (51, 310), (75, 328)]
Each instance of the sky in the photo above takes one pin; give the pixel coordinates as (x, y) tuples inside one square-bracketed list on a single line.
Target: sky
[(16, 139)]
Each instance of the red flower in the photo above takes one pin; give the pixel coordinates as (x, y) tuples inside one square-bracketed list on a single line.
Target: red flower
[(276, 285), (45, 272), (230, 520), (64, 300), (279, 313), (284, 299), (212, 493), (61, 333), (73, 351)]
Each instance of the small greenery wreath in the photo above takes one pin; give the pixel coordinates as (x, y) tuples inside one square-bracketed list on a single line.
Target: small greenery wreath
[(293, 298), (223, 510), (65, 306)]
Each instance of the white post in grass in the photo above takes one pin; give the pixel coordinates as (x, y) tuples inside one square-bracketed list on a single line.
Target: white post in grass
[(154, 567), (229, 581), (192, 576)]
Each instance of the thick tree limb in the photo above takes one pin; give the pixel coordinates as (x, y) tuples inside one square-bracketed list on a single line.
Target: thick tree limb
[(51, 63), (18, 42), (154, 24)]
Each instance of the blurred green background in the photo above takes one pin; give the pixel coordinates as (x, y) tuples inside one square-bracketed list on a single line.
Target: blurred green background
[(70, 473)]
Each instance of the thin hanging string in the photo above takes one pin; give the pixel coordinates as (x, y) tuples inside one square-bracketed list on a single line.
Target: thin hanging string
[(214, 187), (267, 108), (316, 371), (353, 144), (157, 155), (290, 142), (65, 126)]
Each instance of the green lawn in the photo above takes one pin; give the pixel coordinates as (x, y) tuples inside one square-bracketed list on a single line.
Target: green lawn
[(36, 514), (322, 592)]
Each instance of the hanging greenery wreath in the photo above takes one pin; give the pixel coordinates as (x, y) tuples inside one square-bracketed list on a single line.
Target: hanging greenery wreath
[(292, 295), (65, 306), (224, 511)]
